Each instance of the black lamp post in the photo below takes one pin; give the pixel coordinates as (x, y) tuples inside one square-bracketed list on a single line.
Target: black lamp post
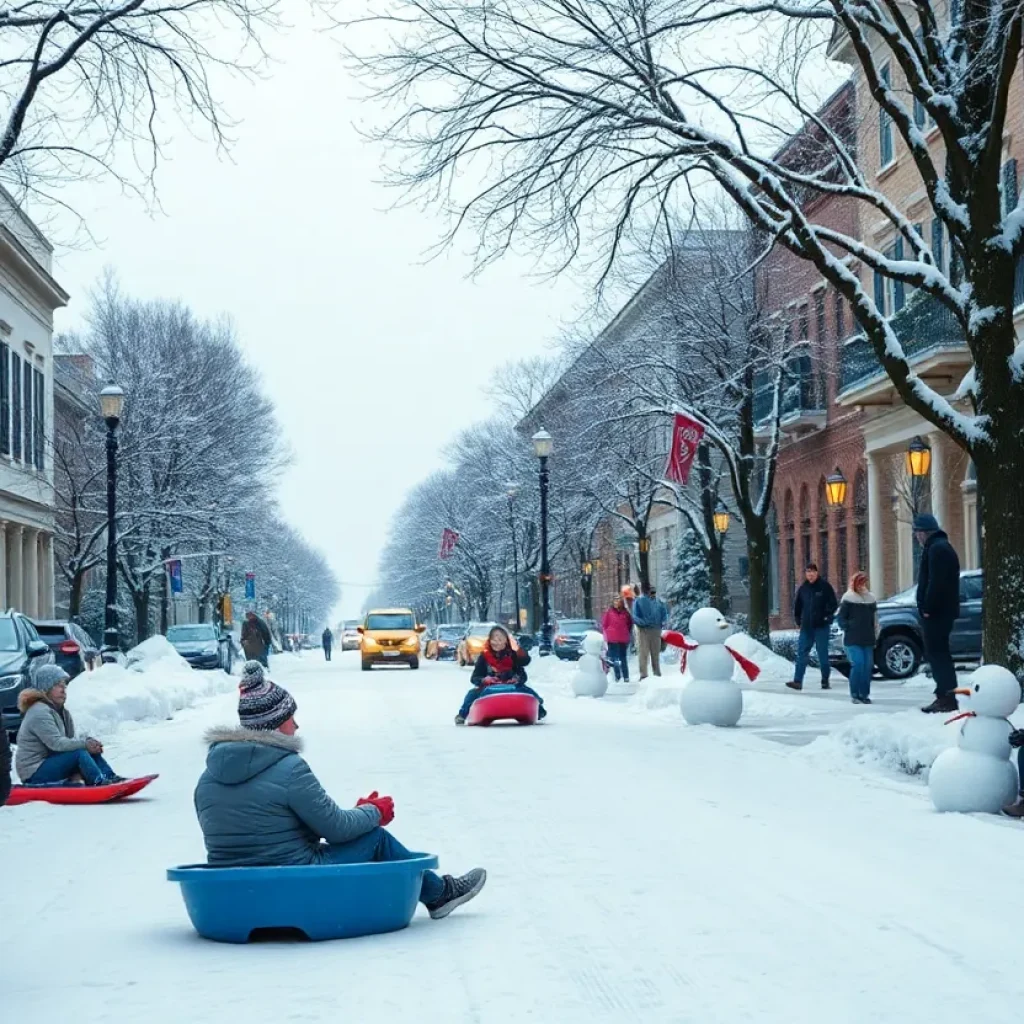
[(511, 492), (111, 406), (542, 446)]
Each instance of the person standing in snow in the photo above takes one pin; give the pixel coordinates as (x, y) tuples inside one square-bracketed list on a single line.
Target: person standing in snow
[(499, 664), (814, 609), (938, 601), (49, 749), (858, 619), (259, 803), (5, 766), (617, 626), (650, 616), (327, 639), (255, 638)]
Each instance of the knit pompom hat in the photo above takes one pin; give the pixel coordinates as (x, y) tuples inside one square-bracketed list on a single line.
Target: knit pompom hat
[(262, 704)]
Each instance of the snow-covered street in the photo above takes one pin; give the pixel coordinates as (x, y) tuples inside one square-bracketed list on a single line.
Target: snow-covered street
[(639, 870)]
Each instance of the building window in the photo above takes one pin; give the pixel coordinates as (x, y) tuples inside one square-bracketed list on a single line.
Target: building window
[(804, 324), (16, 427), (937, 246), (1008, 192), (841, 540), (39, 391), (805, 528), (29, 417), (840, 318), (790, 527), (5, 399), (860, 526), (823, 538), (774, 556), (886, 143)]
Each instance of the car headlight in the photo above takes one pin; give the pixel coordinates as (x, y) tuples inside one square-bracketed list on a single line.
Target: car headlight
[(411, 641), (9, 682), (369, 642)]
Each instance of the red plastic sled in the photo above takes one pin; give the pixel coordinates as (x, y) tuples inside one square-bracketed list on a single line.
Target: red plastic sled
[(78, 794), (519, 707)]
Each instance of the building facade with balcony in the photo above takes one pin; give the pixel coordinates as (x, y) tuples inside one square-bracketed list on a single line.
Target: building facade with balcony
[(819, 437), (28, 297)]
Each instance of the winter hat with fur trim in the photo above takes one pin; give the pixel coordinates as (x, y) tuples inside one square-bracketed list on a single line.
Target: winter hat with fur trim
[(262, 704), (48, 677)]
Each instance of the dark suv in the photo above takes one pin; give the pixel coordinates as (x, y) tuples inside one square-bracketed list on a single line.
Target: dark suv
[(74, 650), (22, 653), (900, 648)]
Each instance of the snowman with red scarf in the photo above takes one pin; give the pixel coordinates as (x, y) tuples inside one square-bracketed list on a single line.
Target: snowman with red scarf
[(976, 775), (711, 697)]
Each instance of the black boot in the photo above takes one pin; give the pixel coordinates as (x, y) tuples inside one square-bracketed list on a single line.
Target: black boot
[(456, 892), (944, 704)]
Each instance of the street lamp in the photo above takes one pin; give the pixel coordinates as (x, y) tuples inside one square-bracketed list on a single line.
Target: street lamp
[(835, 489), (511, 490), (919, 462), (542, 447), (111, 407), (721, 519)]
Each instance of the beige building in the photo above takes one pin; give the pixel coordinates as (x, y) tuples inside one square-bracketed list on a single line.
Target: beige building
[(28, 297)]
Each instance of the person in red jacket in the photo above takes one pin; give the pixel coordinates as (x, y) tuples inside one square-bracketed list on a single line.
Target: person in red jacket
[(617, 626)]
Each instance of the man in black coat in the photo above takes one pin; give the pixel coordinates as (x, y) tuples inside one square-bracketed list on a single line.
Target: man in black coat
[(814, 609), (327, 639), (938, 601)]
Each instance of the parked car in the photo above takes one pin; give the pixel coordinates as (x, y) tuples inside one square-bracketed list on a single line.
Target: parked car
[(390, 636), (202, 645), (350, 635), (442, 642), (73, 649), (900, 648), (22, 653), (569, 634)]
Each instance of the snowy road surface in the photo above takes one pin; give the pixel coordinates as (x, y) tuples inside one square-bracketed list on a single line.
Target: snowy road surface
[(640, 870)]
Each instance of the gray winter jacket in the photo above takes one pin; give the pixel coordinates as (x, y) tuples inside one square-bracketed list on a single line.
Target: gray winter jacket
[(259, 803), (44, 731)]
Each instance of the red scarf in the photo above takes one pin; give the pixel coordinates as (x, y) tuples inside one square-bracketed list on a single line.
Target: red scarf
[(506, 662), (676, 639)]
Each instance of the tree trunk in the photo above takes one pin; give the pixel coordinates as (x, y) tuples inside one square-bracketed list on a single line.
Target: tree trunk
[(75, 594), (140, 598), (587, 586), (760, 581), (644, 557), (716, 568)]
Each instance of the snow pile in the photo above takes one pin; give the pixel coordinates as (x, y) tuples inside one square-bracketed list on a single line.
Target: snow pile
[(774, 668), (154, 682)]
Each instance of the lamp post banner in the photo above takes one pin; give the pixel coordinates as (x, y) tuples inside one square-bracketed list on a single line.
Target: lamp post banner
[(686, 436), (174, 572), (449, 538), (250, 586)]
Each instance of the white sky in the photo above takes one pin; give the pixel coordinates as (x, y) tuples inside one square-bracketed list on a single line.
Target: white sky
[(373, 358)]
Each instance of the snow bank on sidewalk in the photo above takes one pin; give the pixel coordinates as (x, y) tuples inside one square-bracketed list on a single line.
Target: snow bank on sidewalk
[(153, 684)]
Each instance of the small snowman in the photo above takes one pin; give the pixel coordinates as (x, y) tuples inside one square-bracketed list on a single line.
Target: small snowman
[(976, 775), (711, 697), (590, 678)]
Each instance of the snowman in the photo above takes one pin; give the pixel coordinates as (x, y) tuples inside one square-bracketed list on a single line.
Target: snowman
[(711, 697), (590, 678), (976, 775)]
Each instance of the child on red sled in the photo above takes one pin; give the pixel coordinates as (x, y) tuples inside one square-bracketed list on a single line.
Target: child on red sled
[(500, 664)]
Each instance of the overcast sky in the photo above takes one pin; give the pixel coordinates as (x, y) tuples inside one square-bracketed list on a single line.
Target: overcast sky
[(373, 357)]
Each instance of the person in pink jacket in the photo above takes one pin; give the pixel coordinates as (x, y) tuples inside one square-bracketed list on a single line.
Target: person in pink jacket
[(617, 626)]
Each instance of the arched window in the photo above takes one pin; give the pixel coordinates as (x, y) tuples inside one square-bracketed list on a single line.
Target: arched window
[(860, 525), (774, 554), (823, 538), (789, 525), (805, 527)]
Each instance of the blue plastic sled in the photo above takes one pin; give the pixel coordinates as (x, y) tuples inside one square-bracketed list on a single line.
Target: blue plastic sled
[(323, 901)]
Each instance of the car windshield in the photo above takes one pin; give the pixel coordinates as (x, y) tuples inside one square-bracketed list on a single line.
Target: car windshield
[(576, 625), (480, 628), (390, 620), (450, 632), (9, 636), (190, 634)]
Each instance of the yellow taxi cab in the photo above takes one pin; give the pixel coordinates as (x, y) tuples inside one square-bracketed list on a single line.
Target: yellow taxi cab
[(390, 636), (471, 646)]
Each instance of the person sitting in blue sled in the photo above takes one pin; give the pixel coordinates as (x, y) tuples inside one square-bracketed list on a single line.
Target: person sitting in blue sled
[(499, 664), (49, 748), (259, 803)]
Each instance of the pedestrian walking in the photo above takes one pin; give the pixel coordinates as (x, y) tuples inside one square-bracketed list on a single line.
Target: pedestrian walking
[(617, 627), (858, 619), (327, 639), (938, 601), (255, 638), (814, 609), (650, 615)]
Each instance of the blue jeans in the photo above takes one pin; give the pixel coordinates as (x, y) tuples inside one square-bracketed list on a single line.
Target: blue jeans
[(862, 664), (481, 692), (818, 639), (618, 656), (60, 768), (380, 845)]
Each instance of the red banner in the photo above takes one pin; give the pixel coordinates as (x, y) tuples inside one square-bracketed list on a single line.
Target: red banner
[(449, 538), (686, 435)]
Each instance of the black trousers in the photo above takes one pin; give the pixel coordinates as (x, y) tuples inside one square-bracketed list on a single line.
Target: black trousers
[(936, 650)]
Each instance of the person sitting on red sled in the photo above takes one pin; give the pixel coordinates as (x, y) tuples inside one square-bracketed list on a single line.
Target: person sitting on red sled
[(500, 664)]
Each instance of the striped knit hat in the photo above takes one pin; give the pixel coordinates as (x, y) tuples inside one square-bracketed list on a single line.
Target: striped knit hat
[(262, 704)]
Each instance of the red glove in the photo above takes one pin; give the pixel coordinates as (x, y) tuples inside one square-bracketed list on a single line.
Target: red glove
[(384, 804)]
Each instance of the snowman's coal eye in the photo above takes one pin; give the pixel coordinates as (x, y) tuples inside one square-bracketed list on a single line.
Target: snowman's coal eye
[(977, 687)]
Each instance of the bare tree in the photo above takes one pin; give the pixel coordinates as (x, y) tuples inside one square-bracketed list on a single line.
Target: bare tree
[(582, 118)]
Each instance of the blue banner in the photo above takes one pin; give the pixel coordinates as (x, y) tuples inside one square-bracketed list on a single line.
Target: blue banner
[(174, 571), (250, 586)]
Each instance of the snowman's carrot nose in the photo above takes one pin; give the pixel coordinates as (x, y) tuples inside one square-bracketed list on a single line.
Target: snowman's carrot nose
[(964, 691)]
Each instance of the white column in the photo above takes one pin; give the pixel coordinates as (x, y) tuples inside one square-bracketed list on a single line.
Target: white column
[(939, 483), (3, 566), (876, 559), (16, 596), (30, 569), (47, 609)]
